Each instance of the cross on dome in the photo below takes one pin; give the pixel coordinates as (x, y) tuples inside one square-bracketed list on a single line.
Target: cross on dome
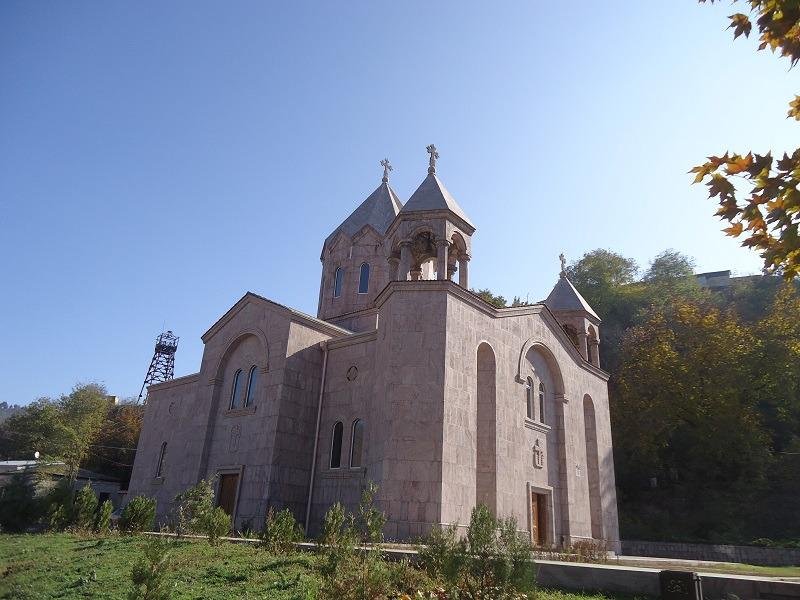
[(386, 168), (432, 162), (563, 264)]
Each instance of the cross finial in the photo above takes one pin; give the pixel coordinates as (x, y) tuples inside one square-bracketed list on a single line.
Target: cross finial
[(386, 168), (432, 162), (563, 264)]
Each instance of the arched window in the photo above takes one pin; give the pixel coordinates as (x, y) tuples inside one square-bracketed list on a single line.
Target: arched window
[(529, 397), (252, 383), (363, 279), (236, 390), (541, 402), (356, 443), (338, 278), (161, 455), (336, 446)]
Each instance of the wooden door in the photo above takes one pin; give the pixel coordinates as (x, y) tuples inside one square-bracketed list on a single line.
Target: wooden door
[(227, 492), (538, 509)]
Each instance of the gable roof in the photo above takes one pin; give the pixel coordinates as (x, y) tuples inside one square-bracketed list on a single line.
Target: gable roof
[(432, 195), (565, 297), (378, 211)]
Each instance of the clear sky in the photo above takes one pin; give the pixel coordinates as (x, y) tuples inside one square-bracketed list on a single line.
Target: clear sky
[(159, 159)]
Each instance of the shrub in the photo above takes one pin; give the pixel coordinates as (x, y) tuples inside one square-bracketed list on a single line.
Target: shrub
[(191, 508), (102, 523), (281, 531), (19, 507), (215, 523), (149, 574), (59, 505), (84, 507), (138, 515), (492, 561)]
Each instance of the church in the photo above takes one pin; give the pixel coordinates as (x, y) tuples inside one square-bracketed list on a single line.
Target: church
[(404, 378)]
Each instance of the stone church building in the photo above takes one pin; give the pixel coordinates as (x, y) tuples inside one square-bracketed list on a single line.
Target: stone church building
[(404, 378)]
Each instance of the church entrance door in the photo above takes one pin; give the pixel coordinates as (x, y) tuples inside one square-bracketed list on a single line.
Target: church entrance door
[(227, 492), (538, 511)]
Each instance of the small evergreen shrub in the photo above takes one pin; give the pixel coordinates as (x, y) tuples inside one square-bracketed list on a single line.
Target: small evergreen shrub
[(19, 507), (191, 508), (281, 531), (84, 507), (138, 515), (215, 523), (102, 523), (149, 574), (59, 505)]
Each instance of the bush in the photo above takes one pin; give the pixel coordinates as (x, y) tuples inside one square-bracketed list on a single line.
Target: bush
[(59, 505), (138, 515), (102, 523), (215, 523), (281, 531), (492, 561), (191, 508), (19, 507), (149, 575), (84, 507)]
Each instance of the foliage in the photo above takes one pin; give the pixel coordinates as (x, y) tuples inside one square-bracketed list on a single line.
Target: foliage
[(281, 531), (138, 515), (768, 216), (102, 522), (493, 561), (58, 503), (78, 567), (114, 446), (191, 508), (63, 429), (84, 507), (495, 300), (19, 507), (150, 574), (215, 524)]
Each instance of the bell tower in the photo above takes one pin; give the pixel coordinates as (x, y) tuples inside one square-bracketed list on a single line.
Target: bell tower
[(431, 236)]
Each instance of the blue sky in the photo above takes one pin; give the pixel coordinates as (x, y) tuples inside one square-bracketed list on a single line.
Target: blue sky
[(159, 159)]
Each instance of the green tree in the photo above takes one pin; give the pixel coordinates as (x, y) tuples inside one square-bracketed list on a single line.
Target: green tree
[(490, 297), (19, 506), (768, 216), (138, 515), (114, 447), (84, 508), (670, 275), (102, 523)]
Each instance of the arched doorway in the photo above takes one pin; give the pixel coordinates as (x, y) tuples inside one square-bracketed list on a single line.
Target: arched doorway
[(486, 434), (592, 467)]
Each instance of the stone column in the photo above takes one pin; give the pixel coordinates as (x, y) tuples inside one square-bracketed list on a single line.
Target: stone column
[(463, 271), (394, 263), (594, 352), (405, 261), (583, 345), (441, 259)]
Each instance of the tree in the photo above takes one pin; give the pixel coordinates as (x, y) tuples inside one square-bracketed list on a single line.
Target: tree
[(114, 447), (768, 216), (487, 294), (63, 429), (688, 373), (671, 274)]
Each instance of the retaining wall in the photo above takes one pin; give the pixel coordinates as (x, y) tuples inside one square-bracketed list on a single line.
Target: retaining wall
[(751, 555)]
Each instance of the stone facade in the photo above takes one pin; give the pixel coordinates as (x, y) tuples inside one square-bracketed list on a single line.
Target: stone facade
[(411, 381)]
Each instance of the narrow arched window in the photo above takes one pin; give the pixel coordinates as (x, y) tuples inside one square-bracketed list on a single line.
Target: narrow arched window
[(529, 401), (161, 455), (252, 383), (356, 443), (363, 279), (338, 278), (336, 446), (236, 390), (541, 402)]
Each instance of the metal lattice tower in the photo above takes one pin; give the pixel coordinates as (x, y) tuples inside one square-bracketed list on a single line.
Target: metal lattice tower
[(162, 367)]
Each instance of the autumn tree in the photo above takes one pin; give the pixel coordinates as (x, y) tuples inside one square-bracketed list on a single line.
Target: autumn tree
[(767, 216), (689, 439), (114, 447)]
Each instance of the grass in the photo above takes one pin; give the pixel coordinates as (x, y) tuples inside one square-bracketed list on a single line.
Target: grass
[(64, 566)]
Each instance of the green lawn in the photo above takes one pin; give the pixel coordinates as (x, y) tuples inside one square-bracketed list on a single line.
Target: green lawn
[(72, 566)]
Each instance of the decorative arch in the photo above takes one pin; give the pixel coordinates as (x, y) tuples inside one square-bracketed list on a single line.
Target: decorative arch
[(592, 467), (237, 339), (552, 363)]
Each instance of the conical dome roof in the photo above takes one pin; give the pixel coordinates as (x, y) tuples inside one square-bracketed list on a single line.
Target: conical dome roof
[(378, 210), (565, 297), (432, 195)]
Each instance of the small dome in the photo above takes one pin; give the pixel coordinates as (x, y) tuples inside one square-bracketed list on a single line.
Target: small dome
[(378, 211)]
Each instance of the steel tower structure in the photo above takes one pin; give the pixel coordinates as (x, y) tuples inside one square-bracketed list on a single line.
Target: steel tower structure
[(162, 367)]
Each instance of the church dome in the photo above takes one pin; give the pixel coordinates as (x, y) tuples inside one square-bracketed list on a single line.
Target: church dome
[(378, 211), (432, 195)]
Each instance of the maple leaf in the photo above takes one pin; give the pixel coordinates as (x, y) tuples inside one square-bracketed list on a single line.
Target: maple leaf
[(794, 109), (737, 164), (735, 230), (740, 24)]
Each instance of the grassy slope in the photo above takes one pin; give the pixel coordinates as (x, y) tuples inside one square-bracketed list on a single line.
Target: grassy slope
[(70, 566)]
